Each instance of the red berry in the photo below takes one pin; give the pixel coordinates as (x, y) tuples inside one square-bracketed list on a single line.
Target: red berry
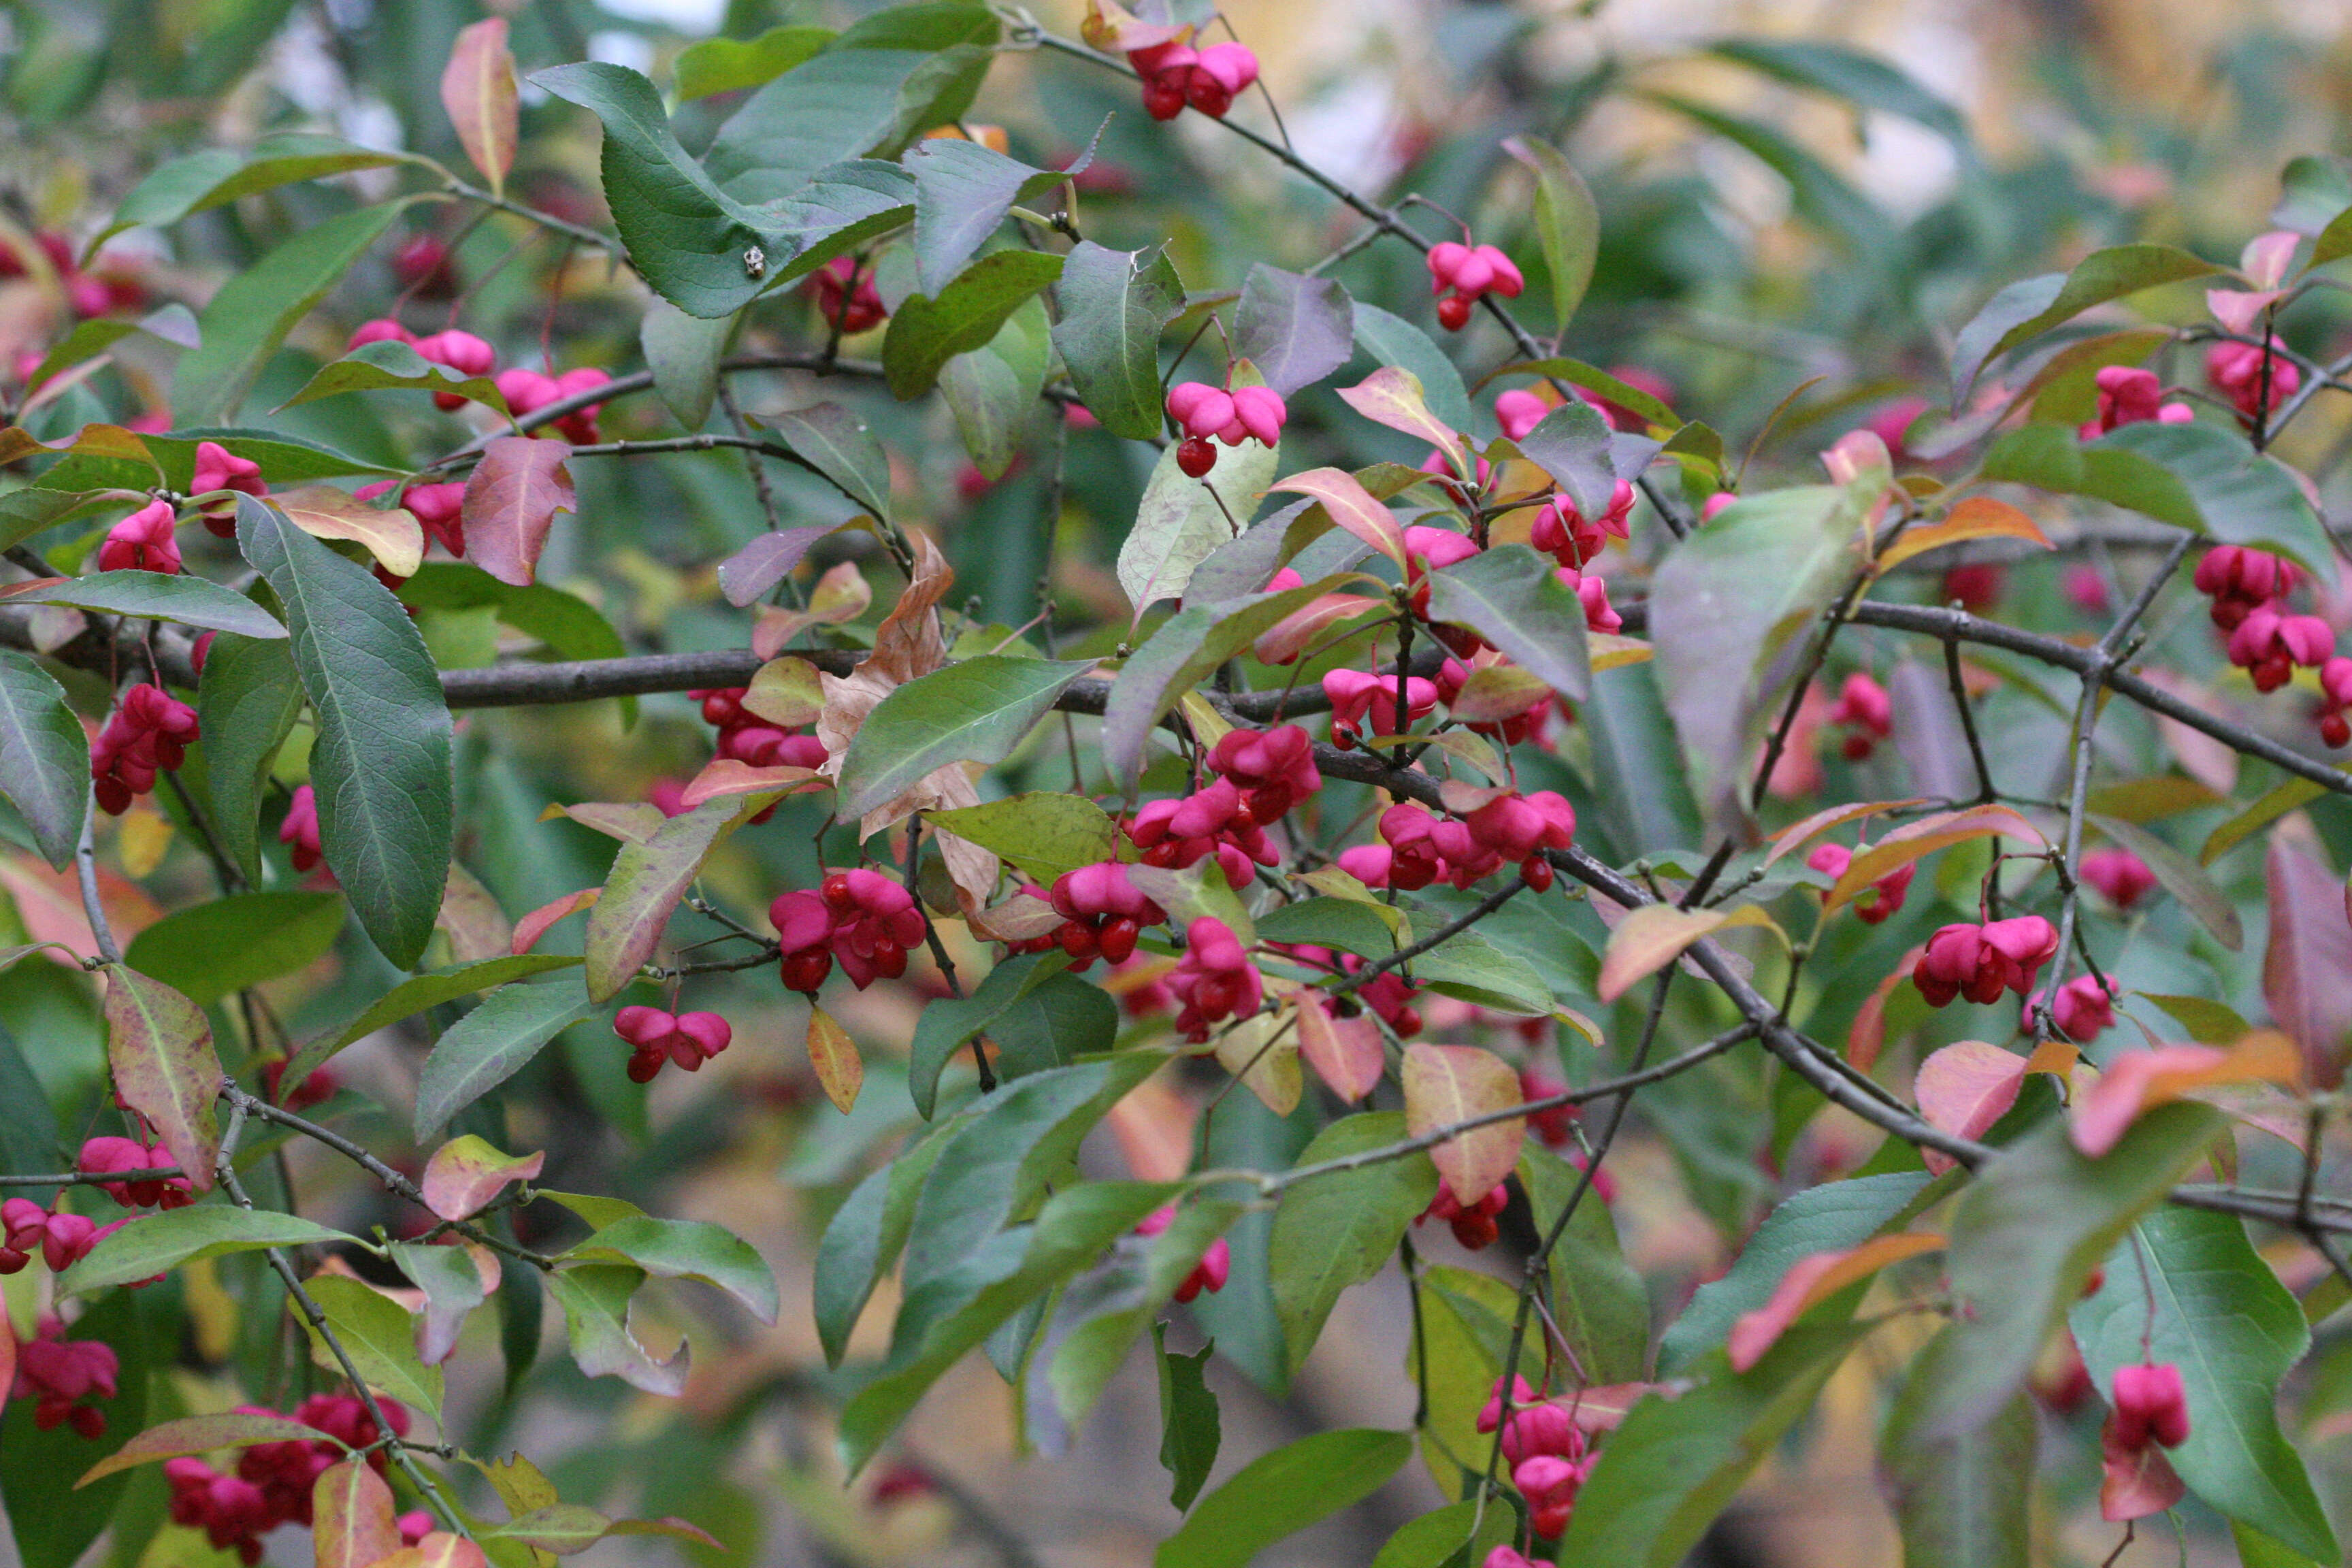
[(1163, 100), (835, 890), (644, 1065), (1536, 872), (1454, 313), (804, 971), (1117, 940), (1077, 941), (2333, 730), (1196, 455)]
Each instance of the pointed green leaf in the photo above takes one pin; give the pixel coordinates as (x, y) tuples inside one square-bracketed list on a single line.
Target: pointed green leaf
[(976, 711), (151, 595), (928, 330), (1113, 307), (246, 702), (490, 1045), (647, 882), (1509, 596), (153, 1244), (379, 1336), (1278, 1494), (44, 757), (688, 1250), (1340, 1229)]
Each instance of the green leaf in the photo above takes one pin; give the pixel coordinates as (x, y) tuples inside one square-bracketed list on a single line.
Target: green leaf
[(1467, 966), (997, 1165), (864, 1238), (1576, 372), (712, 66), (963, 193), (387, 365), (841, 208), (838, 444), (212, 950), (490, 1045), (993, 390), (945, 1027), (1392, 340), (246, 701), (151, 595), (1729, 599), (381, 767), (56, 1531), (1819, 195), (1830, 1218), (645, 884), (2028, 309), (2183, 878), (2208, 1022), (976, 711), (220, 175), (569, 624), (172, 325), (883, 79), (2222, 1317), (44, 757), (452, 1287), (1182, 520), (1567, 223), (1863, 80), (1340, 1229), (1190, 1430), (1177, 658), (253, 312), (413, 997), (1963, 1502), (1572, 444), (29, 1124), (1099, 1315), (595, 1301), (688, 1250), (1295, 329), (153, 1244), (690, 240), (562, 1528), (1343, 923), (25, 513), (1451, 1534), (1672, 1467), (379, 1336), (159, 1050), (1509, 596), (2048, 458), (1278, 1494), (1600, 1303), (1465, 1335), (2241, 496), (927, 331), (683, 354), (1113, 306), (2024, 1237), (1041, 834)]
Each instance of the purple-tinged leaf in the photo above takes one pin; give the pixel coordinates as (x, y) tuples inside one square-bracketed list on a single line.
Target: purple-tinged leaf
[(511, 500), (160, 1050), (759, 565), (1297, 329), (2307, 967)]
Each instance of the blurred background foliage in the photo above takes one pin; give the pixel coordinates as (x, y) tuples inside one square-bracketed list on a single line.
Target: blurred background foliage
[(1776, 223)]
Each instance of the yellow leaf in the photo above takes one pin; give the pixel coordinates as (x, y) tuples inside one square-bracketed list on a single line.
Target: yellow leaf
[(393, 537), (1446, 1085), (1979, 517), (835, 1056), (145, 837), (1649, 937)]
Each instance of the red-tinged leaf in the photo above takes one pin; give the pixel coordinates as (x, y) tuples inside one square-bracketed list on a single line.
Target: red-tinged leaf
[(1290, 636), (438, 1550), (2307, 967), (478, 89), (477, 927), (1812, 1278), (1352, 507), (192, 1434), (1867, 1037), (511, 500), (646, 883), (466, 1173), (1391, 395), (2210, 762), (1916, 840), (534, 925), (1964, 1089), (2136, 1082), (835, 1056), (390, 534), (352, 1522), (786, 691), (726, 776), (1604, 1409), (160, 1049), (1020, 917), (759, 565), (1495, 692), (1649, 937), (1797, 834), (1346, 1053), (630, 821), (2137, 1482), (666, 1525), (1448, 1084), (1979, 517)]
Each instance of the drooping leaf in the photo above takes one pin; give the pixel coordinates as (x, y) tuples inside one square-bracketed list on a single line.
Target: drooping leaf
[(1281, 1494), (1113, 305), (378, 1335), (1294, 328), (1391, 339), (1334, 1231), (2028, 309), (928, 331), (154, 1243), (864, 1236), (44, 757), (699, 249), (1189, 1431), (200, 1435), (647, 882), (2241, 496), (963, 192), (490, 1045), (1572, 444), (836, 444), (159, 1050), (465, 1174), (173, 324), (2307, 964), (453, 1288), (711, 66), (1509, 596), (512, 498), (413, 997), (382, 763), (595, 1301), (2183, 878), (1567, 224), (688, 1250), (254, 311), (1393, 395), (1182, 520), (1103, 1312), (2026, 1236), (220, 175), (1963, 1502), (975, 711), (390, 365), (210, 950), (478, 89), (683, 354), (246, 701), (2220, 1316), (150, 596)]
